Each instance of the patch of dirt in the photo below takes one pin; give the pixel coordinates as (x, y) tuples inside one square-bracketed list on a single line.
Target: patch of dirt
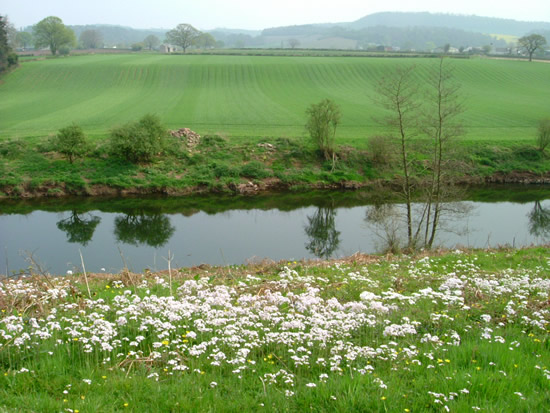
[(248, 187), (517, 177)]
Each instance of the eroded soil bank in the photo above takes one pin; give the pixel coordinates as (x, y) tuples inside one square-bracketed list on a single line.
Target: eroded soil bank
[(250, 187)]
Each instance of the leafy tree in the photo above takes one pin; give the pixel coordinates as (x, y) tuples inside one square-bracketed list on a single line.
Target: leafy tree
[(51, 32), (23, 39), (136, 47), (151, 41), (204, 41), (71, 142), (531, 43), (78, 228), (139, 141), (183, 35), (543, 134), (323, 118), (7, 56), (91, 39)]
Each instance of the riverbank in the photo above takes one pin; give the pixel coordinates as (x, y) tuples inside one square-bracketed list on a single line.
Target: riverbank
[(458, 330), (219, 165)]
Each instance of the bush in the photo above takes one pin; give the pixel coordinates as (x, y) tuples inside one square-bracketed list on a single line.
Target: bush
[(323, 118), (543, 134), (526, 153), (139, 141), (13, 59), (64, 51), (71, 142), (255, 170), (381, 150)]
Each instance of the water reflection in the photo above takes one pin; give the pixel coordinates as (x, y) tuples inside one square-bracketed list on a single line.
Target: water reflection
[(79, 227), (385, 220), (230, 230), (140, 227), (388, 221), (539, 221), (322, 234)]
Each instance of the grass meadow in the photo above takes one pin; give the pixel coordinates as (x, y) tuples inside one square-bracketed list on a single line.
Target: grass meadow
[(248, 97), (455, 332)]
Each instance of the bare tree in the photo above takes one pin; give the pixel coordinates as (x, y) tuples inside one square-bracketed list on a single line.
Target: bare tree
[(91, 39), (531, 43), (293, 43), (398, 93), (436, 119), (442, 126), (183, 35)]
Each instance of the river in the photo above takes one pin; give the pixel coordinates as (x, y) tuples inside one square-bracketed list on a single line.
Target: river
[(145, 232)]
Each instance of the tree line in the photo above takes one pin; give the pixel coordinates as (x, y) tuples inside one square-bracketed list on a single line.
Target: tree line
[(59, 38)]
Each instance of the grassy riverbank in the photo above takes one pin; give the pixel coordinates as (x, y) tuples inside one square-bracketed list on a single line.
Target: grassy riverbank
[(463, 331), (218, 164)]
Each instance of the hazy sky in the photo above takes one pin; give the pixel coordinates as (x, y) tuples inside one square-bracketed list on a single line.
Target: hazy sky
[(251, 14)]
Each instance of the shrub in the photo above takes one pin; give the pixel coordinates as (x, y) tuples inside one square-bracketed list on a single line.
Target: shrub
[(71, 142), (254, 170), (64, 51), (323, 118), (526, 153), (543, 134), (139, 141), (381, 150)]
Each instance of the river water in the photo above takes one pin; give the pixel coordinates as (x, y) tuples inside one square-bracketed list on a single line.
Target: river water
[(142, 232)]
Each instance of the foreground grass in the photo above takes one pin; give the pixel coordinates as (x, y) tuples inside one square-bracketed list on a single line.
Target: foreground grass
[(463, 331)]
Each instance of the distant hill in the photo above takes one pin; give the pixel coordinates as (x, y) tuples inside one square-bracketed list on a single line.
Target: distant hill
[(488, 25), (419, 31), (405, 38)]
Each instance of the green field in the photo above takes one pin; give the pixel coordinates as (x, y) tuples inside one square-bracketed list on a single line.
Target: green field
[(253, 96)]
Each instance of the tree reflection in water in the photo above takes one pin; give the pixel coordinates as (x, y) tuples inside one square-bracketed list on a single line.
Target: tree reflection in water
[(321, 230), (539, 221), (388, 222), (79, 228), (141, 227)]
